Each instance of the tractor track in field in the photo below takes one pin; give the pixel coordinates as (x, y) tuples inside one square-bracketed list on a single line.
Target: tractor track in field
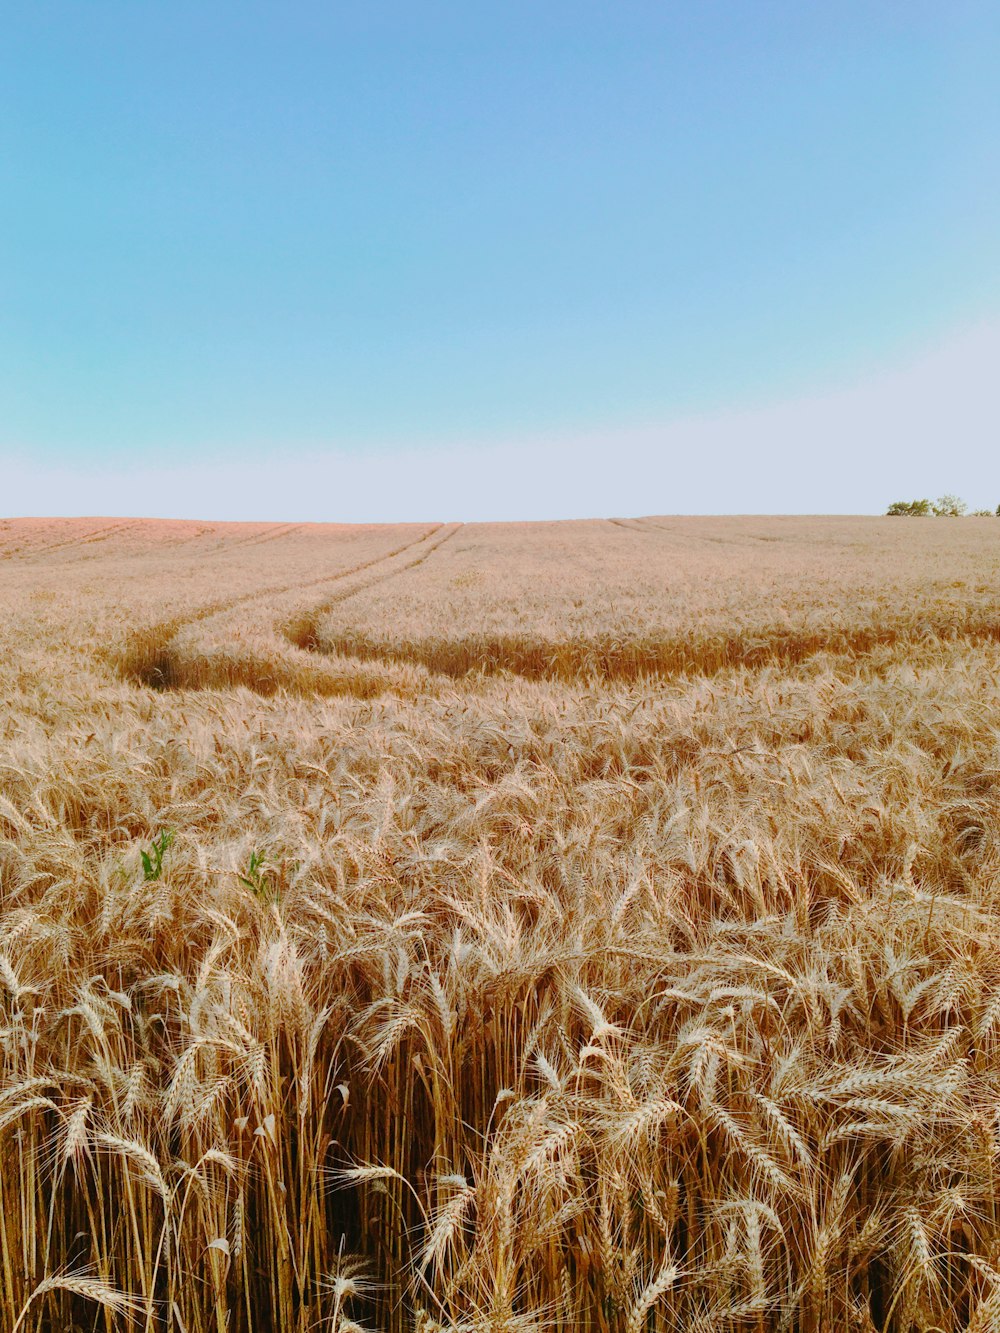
[(142, 660), (653, 524), (646, 659), (304, 631), (84, 539), (630, 525), (259, 538)]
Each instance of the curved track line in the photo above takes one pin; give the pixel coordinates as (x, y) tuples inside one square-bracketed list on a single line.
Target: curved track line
[(166, 666), (629, 525), (228, 604), (259, 538), (303, 632), (139, 661), (97, 535), (655, 526), (666, 659)]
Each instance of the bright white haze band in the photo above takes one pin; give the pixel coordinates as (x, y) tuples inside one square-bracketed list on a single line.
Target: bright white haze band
[(924, 427)]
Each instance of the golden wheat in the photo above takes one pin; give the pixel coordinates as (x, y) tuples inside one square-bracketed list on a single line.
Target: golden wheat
[(577, 926)]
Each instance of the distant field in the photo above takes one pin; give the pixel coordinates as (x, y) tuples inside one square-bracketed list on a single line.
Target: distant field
[(558, 926)]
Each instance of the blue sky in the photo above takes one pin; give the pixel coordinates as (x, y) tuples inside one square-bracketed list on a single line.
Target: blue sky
[(298, 261)]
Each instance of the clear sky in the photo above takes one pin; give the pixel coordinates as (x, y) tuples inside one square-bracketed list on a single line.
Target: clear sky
[(382, 260)]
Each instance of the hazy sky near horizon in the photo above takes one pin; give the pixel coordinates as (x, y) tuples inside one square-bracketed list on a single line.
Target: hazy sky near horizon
[(315, 260)]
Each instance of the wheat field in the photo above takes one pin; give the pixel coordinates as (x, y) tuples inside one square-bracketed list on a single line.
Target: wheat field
[(500, 928)]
